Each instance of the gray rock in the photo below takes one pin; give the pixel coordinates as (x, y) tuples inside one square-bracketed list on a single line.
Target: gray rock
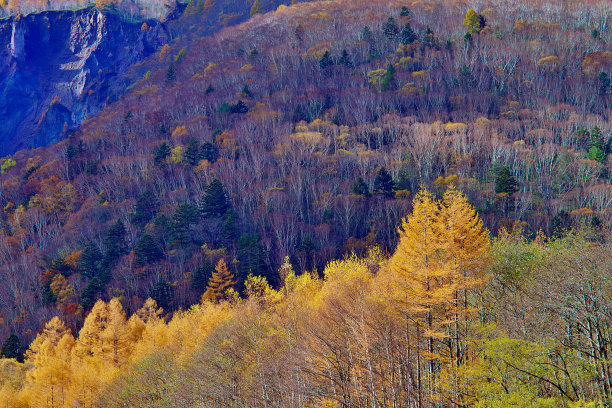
[(59, 67)]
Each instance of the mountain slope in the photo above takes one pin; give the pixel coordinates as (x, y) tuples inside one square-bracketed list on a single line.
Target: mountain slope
[(301, 133)]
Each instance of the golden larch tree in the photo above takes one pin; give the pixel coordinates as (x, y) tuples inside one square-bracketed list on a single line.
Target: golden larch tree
[(220, 281), (468, 256), (116, 337), (49, 355)]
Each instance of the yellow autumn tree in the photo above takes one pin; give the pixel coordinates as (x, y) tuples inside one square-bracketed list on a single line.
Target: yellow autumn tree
[(116, 339), (424, 285), (473, 22), (220, 281), (49, 355), (88, 362), (468, 245)]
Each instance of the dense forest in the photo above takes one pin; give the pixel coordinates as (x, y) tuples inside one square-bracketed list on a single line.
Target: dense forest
[(248, 187)]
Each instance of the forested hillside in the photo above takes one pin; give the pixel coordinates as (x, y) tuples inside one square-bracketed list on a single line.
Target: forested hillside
[(301, 137)]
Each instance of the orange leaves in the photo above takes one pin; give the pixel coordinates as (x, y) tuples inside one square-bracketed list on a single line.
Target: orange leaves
[(597, 62)]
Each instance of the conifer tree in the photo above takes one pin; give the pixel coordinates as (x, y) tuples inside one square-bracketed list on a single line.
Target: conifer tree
[(171, 73), (345, 59), (360, 187), (115, 243), (209, 151), (146, 251), (383, 183), (190, 9), (184, 215), (201, 276), (326, 60), (145, 208), (162, 292), (90, 261), (505, 182), (468, 256), (390, 28), (90, 341), (49, 357), (214, 202), (116, 342), (424, 285), (473, 21), (387, 81), (162, 153), (220, 281), (407, 36), (12, 348)]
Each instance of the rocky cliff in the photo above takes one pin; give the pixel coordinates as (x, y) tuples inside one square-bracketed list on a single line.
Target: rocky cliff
[(59, 67)]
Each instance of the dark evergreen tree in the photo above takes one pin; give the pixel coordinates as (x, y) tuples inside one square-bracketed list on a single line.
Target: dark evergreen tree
[(48, 296), (115, 243), (214, 202), (326, 60), (209, 89), (239, 107), (192, 152), (146, 251), (224, 108), (89, 294), (597, 139), (246, 91), (360, 187), (171, 73), (161, 153), (390, 28), (408, 36), (383, 183), (12, 348), (388, 80), (505, 182), (405, 12), (345, 59), (604, 83), (145, 209), (403, 180), (60, 266), (251, 259), (184, 215), (162, 292), (229, 231), (560, 224), (91, 260), (209, 152), (201, 275)]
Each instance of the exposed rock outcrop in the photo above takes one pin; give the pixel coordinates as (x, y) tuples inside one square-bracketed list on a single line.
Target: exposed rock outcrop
[(74, 59)]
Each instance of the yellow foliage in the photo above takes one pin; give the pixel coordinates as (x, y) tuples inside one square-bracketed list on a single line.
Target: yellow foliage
[(550, 62), (375, 77), (455, 127), (483, 122), (176, 154), (322, 15), (420, 74), (180, 131)]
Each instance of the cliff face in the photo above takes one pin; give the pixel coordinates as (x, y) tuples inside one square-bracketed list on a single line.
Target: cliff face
[(59, 67)]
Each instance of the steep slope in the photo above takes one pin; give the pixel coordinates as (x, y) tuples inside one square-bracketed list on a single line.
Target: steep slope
[(304, 133), (58, 67)]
